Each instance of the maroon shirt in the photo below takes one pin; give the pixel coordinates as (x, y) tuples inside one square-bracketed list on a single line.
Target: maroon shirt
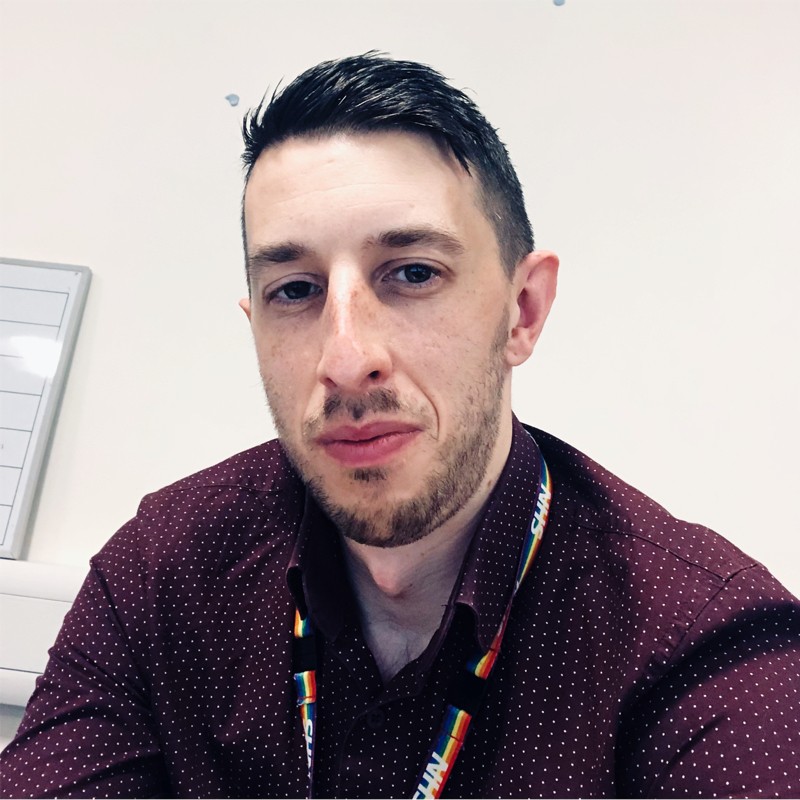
[(644, 656)]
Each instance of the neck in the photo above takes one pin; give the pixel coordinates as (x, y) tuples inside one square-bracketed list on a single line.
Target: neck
[(402, 592)]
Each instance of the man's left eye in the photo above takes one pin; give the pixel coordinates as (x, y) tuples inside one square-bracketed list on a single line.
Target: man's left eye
[(415, 273)]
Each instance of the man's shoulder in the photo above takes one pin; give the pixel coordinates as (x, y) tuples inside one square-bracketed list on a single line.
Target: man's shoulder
[(263, 469), (247, 502), (604, 506), (660, 584)]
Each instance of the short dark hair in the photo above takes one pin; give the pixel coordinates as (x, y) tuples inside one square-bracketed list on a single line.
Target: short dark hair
[(372, 92)]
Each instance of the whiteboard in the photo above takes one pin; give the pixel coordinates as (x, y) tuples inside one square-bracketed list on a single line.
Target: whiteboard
[(34, 598), (40, 311)]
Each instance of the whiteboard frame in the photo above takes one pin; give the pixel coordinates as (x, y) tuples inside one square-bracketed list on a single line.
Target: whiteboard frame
[(13, 537)]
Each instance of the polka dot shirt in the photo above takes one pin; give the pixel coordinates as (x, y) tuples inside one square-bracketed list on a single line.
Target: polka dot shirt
[(644, 656)]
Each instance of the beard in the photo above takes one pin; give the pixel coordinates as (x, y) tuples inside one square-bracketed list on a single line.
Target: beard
[(458, 470)]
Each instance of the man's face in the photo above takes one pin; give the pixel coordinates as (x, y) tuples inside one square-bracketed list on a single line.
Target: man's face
[(380, 312)]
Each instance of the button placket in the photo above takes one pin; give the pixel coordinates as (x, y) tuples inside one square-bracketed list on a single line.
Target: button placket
[(376, 719)]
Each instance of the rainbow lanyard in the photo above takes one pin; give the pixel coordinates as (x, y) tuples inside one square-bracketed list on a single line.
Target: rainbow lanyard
[(467, 691)]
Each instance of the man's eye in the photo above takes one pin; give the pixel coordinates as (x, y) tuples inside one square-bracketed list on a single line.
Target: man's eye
[(294, 291), (415, 273)]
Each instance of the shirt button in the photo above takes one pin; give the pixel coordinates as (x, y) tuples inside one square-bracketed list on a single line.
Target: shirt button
[(376, 719)]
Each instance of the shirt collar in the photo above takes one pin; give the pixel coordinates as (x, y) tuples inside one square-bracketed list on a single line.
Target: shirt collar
[(490, 567), (317, 575)]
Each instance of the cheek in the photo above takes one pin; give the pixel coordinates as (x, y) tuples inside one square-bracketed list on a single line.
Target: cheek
[(462, 338), (289, 378), (278, 353), (445, 364)]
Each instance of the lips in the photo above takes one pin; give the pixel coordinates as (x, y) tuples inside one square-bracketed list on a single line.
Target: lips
[(367, 445)]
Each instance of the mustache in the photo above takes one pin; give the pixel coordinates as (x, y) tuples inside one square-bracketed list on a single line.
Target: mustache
[(377, 400), (354, 408)]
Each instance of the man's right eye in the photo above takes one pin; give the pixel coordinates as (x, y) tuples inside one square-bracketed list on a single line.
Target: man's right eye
[(294, 292)]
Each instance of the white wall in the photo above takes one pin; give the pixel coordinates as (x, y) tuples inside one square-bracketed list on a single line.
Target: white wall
[(658, 144)]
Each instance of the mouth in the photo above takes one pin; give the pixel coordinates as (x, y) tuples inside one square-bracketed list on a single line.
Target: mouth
[(367, 445)]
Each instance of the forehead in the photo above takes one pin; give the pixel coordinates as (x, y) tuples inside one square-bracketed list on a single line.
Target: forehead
[(356, 181)]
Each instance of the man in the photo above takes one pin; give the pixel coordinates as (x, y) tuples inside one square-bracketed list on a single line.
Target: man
[(410, 593)]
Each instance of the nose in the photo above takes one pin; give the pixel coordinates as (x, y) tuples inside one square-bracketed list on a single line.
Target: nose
[(354, 356)]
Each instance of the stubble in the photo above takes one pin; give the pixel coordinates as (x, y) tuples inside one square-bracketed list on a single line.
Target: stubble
[(454, 478)]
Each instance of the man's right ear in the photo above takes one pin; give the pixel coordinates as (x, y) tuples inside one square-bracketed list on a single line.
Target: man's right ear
[(244, 304)]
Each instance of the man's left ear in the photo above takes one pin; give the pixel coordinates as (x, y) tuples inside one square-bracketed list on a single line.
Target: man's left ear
[(534, 285)]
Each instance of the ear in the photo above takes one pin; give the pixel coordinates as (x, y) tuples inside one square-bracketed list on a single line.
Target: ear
[(244, 304), (534, 285)]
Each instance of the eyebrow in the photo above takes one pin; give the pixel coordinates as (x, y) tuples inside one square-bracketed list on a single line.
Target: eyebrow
[(270, 255), (425, 235)]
